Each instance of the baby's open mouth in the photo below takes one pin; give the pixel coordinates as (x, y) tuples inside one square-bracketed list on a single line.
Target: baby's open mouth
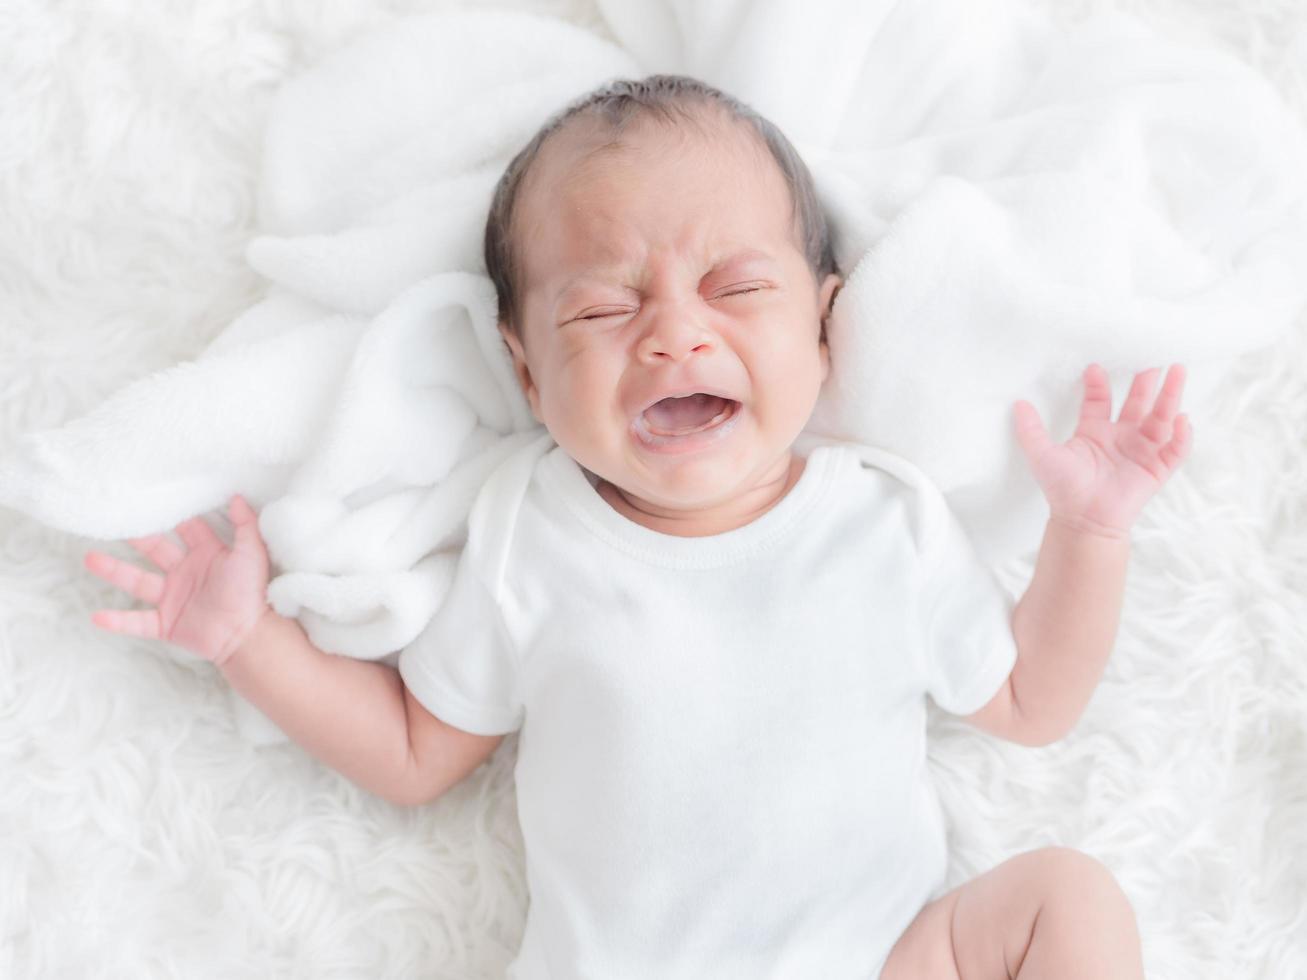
[(686, 415)]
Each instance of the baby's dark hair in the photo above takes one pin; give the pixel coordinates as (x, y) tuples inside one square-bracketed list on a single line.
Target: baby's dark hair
[(671, 99)]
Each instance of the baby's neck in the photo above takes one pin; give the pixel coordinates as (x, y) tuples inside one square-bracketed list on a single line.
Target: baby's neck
[(737, 512)]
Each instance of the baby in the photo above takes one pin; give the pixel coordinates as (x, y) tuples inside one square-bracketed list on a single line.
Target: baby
[(715, 647)]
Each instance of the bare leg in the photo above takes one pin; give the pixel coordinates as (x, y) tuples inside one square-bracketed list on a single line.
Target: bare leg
[(1050, 914)]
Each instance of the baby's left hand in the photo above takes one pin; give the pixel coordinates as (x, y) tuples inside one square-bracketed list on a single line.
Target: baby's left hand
[(1100, 478)]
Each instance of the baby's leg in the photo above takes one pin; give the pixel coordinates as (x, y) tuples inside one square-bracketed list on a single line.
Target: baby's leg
[(1050, 914)]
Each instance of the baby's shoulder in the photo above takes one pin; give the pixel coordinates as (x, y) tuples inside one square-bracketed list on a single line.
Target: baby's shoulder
[(493, 516), (895, 482), (882, 468)]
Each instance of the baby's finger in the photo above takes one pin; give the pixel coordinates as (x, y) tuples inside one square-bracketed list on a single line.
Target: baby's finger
[(133, 622), (1097, 402), (1177, 450), (160, 549), (1141, 390), (1031, 434), (1157, 426), (137, 582), (1168, 400), (197, 533), (246, 522), (240, 509)]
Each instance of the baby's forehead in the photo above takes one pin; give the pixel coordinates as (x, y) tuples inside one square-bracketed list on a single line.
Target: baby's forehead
[(711, 186), (586, 146), (591, 173)]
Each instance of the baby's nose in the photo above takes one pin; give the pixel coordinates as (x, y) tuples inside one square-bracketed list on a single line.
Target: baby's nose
[(674, 336)]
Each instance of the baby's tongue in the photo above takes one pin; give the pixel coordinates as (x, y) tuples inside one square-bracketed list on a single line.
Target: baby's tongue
[(692, 411)]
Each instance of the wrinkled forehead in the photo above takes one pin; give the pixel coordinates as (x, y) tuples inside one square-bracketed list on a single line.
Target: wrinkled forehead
[(710, 187), (587, 144)]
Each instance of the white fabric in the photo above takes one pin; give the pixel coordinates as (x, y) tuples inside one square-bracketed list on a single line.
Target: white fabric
[(1011, 199), (721, 769)]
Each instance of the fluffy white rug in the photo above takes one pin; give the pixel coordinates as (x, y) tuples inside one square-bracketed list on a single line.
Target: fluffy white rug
[(141, 836)]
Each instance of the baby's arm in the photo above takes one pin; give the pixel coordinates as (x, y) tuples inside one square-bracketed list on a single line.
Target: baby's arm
[(1064, 628), (355, 715), (1096, 483)]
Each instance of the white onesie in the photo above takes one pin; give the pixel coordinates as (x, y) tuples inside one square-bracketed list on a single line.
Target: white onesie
[(721, 765)]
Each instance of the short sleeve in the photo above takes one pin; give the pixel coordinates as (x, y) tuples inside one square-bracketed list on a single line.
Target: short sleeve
[(965, 615), (463, 667)]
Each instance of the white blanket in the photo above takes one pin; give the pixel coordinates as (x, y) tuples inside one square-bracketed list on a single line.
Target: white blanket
[(1009, 199)]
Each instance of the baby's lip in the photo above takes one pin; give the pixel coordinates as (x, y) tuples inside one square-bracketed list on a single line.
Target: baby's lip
[(682, 392)]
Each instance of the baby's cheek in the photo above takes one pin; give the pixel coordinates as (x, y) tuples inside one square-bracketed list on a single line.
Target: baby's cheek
[(579, 390), (797, 397)]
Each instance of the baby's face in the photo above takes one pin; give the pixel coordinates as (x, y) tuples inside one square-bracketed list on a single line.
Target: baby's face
[(665, 268)]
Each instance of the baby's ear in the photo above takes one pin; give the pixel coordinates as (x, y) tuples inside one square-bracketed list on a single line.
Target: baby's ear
[(515, 347), (520, 367), (830, 288)]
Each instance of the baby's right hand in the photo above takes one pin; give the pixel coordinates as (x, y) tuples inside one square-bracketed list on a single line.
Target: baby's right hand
[(210, 598)]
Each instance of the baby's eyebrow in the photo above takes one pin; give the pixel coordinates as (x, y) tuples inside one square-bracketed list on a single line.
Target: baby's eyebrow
[(744, 255), (612, 270)]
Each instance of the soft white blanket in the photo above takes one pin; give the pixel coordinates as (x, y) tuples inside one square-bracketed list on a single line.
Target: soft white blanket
[(1010, 201), (141, 837)]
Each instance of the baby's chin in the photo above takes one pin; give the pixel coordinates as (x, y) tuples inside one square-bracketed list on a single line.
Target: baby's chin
[(690, 504), (708, 490), (670, 516)]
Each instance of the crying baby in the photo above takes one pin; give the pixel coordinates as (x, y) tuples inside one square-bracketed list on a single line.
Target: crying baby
[(716, 650)]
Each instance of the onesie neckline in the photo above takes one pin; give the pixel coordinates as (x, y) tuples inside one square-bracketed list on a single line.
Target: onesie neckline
[(569, 481)]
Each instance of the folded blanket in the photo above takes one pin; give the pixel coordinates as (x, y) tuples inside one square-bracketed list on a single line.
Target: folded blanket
[(1010, 201)]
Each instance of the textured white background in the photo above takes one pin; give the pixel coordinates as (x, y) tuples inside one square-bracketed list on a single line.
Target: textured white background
[(141, 836)]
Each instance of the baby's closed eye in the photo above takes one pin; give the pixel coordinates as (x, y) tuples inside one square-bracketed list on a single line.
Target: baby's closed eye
[(741, 292), (734, 291)]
